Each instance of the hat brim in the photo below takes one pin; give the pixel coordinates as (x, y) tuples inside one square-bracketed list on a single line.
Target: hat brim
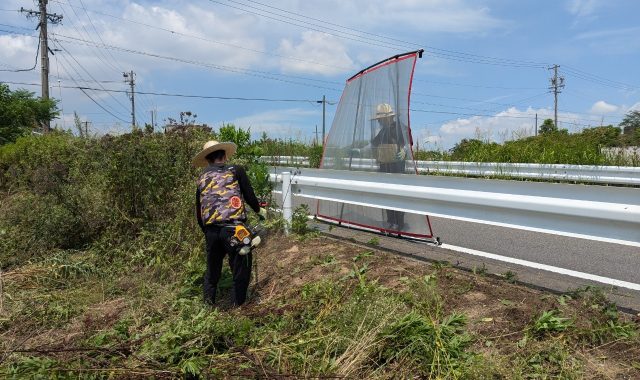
[(200, 158), (383, 115)]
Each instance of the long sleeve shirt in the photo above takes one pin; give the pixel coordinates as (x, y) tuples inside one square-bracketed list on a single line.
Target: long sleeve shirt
[(246, 189)]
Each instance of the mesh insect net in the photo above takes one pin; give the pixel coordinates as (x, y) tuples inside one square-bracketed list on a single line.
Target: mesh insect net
[(370, 132)]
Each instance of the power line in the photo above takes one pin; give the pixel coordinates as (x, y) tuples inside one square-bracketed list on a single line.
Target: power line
[(602, 82), (317, 28), (101, 56), (16, 27), (476, 85), (87, 71), (100, 105), (410, 44), (311, 101), (44, 18), (430, 49), (174, 32), (523, 114), (78, 73), (464, 99), (30, 69), (103, 107), (599, 79), (244, 71), (446, 54), (96, 30)]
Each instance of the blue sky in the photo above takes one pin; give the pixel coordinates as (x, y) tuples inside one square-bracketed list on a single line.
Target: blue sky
[(484, 73)]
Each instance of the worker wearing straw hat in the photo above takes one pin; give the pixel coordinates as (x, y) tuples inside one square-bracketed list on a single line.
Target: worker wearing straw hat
[(389, 149), (222, 193)]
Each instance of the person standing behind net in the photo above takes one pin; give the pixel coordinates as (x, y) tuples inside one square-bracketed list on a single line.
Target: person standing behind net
[(220, 201), (389, 150)]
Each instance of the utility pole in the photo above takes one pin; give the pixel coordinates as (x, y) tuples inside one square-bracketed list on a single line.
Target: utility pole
[(130, 78), (44, 19), (536, 124), (324, 111), (86, 129), (557, 84), (315, 141)]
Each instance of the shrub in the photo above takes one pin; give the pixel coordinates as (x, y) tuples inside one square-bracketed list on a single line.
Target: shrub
[(33, 224)]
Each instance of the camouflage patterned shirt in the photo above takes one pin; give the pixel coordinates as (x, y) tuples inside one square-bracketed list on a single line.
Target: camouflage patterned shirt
[(222, 191)]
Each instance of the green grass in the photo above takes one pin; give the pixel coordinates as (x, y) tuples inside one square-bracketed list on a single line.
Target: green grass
[(114, 276)]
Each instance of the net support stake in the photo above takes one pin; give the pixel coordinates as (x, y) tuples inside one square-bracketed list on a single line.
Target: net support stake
[(287, 203)]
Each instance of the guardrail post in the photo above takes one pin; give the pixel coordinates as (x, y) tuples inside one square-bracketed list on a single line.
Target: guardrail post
[(287, 203)]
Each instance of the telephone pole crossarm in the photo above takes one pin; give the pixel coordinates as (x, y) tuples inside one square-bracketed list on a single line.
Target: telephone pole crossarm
[(44, 19), (324, 112), (557, 84), (130, 78)]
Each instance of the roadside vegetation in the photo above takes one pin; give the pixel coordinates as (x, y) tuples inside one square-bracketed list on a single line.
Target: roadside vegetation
[(101, 271), (591, 146)]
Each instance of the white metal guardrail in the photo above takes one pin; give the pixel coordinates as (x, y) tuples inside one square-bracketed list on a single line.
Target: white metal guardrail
[(620, 175), (602, 213)]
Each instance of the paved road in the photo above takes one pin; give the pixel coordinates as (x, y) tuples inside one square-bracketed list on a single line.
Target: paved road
[(615, 261)]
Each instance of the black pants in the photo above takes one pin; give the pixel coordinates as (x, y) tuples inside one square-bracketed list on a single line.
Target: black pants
[(395, 219), (217, 248)]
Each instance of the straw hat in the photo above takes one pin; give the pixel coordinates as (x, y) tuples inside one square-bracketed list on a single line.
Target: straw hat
[(210, 147), (383, 110)]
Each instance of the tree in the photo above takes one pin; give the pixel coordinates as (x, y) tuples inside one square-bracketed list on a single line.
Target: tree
[(631, 122), (21, 112), (604, 136), (547, 127)]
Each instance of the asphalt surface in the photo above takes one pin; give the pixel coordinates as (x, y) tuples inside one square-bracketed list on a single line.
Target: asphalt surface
[(604, 259), (615, 261)]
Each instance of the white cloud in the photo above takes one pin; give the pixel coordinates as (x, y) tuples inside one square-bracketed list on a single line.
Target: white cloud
[(202, 35), (439, 16), (432, 139), (18, 52), (608, 33), (315, 47), (601, 107), (460, 126), (282, 123), (509, 124), (583, 8), (611, 41), (426, 140), (227, 36)]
